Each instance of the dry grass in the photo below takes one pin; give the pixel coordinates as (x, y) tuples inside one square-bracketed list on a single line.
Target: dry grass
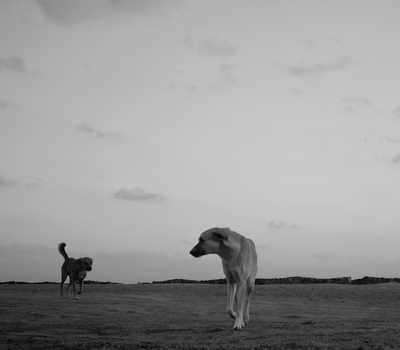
[(193, 317)]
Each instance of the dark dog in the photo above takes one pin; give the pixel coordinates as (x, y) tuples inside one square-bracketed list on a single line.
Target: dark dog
[(74, 268)]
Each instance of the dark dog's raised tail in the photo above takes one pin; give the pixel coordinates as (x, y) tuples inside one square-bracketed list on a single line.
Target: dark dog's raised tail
[(61, 249)]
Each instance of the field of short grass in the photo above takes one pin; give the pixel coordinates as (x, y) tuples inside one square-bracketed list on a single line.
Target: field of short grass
[(193, 317)]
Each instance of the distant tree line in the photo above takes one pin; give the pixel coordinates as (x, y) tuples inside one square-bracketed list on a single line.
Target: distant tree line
[(48, 282), (282, 280), (293, 280)]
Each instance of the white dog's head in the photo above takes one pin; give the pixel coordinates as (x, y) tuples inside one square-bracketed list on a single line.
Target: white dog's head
[(210, 241)]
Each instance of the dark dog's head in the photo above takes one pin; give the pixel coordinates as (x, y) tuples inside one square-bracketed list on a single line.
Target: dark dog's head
[(210, 242), (85, 264)]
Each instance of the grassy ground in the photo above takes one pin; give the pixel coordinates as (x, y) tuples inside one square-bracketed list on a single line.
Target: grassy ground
[(193, 317)]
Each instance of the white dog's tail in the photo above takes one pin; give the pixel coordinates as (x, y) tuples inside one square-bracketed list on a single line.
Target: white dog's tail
[(61, 249)]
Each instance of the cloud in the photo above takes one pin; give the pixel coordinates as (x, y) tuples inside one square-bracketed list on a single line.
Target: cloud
[(221, 77), (225, 77), (296, 91), (71, 11), (143, 7), (32, 182), (308, 43), (391, 139), (6, 182), (6, 104), (27, 181), (137, 194), (219, 48), (281, 225), (78, 11), (87, 128), (396, 159), (220, 68), (13, 64), (317, 69), (312, 44), (396, 112), (227, 74), (357, 103)]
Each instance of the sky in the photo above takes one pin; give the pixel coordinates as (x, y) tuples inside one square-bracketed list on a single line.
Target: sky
[(128, 127)]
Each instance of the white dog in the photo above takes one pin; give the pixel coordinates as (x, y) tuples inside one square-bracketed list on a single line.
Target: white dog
[(239, 261)]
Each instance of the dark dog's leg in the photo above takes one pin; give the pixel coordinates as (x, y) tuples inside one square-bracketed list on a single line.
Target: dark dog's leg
[(63, 278), (80, 286), (70, 283), (74, 288)]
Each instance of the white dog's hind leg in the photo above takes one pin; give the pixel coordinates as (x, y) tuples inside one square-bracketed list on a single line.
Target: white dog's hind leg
[(231, 293), (246, 316), (241, 299), (250, 289)]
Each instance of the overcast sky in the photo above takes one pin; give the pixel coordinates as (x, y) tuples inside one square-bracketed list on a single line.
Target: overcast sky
[(127, 127)]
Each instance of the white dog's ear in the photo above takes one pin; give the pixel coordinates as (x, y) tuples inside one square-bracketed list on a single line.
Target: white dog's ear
[(220, 235)]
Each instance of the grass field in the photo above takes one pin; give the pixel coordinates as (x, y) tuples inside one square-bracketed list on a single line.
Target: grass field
[(193, 317)]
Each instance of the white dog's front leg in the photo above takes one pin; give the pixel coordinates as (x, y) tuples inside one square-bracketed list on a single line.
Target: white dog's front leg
[(231, 293), (249, 291), (241, 301)]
